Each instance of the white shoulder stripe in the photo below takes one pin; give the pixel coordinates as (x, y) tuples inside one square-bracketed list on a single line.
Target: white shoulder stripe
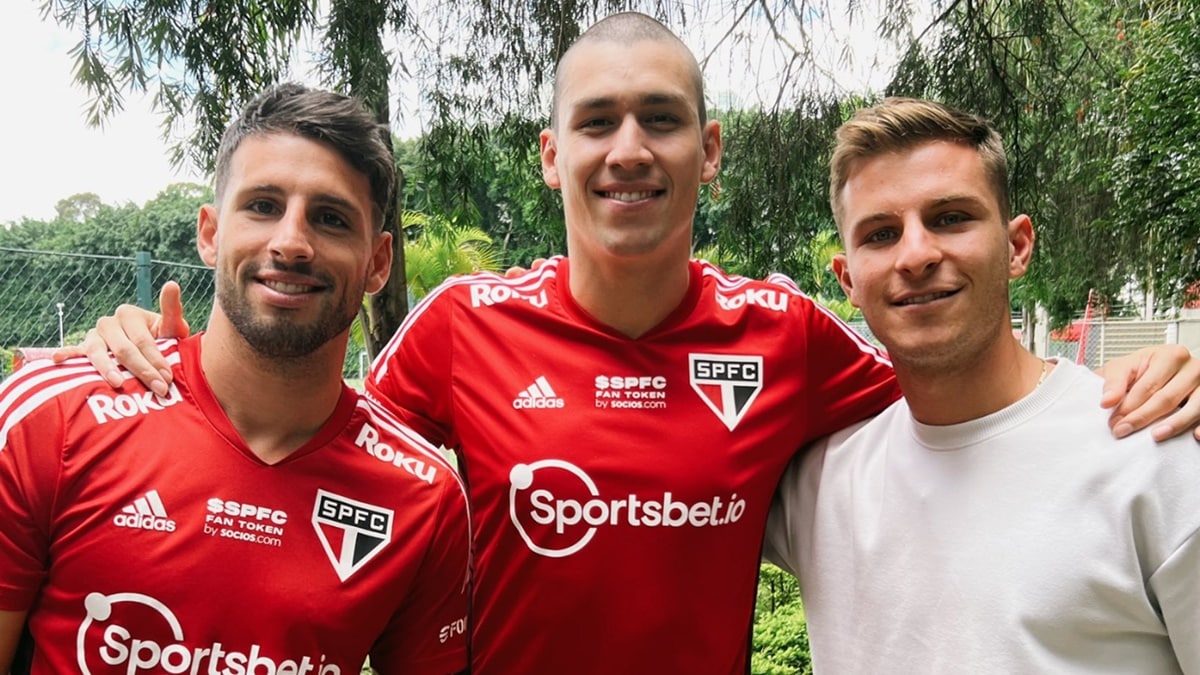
[(861, 342), (12, 417), (730, 282), (527, 282), (52, 380), (388, 421), (40, 375), (384, 418)]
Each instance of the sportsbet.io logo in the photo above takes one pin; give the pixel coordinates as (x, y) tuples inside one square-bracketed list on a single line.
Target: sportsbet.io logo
[(557, 508), (134, 633)]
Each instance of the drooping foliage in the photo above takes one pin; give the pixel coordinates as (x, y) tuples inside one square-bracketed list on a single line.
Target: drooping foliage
[(1096, 100)]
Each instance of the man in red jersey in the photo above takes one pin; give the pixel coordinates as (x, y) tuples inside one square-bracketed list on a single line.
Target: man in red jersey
[(261, 517), (622, 414)]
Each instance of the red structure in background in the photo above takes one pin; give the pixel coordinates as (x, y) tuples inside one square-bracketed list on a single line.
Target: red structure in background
[(1191, 297), (1081, 353), (1078, 330)]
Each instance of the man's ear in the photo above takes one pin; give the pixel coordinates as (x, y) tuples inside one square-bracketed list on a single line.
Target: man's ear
[(380, 264), (841, 270), (549, 150), (206, 234), (1020, 245), (711, 137)]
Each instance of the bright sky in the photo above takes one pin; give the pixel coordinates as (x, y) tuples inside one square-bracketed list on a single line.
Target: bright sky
[(49, 153)]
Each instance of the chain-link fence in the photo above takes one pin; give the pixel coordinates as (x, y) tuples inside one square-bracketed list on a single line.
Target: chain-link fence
[(50, 298), (1094, 342)]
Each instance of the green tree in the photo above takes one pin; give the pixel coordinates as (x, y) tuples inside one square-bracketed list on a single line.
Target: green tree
[(204, 61), (780, 636), (766, 212), (1037, 69), (481, 68), (77, 208), (1156, 176), (438, 249), (491, 181), (100, 273)]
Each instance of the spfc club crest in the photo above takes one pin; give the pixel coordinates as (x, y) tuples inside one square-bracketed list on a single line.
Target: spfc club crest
[(352, 532), (727, 383)]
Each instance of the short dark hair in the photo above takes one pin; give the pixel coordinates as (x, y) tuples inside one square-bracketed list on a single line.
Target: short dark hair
[(340, 122), (903, 123), (627, 28)]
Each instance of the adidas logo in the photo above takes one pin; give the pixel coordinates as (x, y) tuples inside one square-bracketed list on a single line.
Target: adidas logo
[(539, 395), (145, 513)]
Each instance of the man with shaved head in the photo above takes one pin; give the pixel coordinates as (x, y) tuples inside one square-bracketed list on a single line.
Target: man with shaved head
[(622, 414)]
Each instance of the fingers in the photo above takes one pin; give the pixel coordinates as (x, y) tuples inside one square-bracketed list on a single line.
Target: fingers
[(128, 336), (516, 271), (170, 303), (68, 352), (96, 351), (1160, 388), (1120, 376), (1185, 418)]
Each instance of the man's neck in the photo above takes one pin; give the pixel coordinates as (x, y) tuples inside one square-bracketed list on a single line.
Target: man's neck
[(984, 385), (631, 298), (275, 405)]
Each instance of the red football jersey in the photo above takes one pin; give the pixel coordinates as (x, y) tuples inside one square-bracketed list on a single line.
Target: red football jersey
[(144, 536), (620, 486)]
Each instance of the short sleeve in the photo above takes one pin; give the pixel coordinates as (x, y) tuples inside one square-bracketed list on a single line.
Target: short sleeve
[(428, 634), (411, 377), (31, 438), (850, 379)]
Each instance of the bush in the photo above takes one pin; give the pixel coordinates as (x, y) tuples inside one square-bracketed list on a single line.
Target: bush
[(780, 636)]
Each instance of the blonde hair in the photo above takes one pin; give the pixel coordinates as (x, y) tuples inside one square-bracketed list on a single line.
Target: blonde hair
[(903, 123)]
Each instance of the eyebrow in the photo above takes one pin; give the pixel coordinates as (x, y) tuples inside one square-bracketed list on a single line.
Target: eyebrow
[(953, 199), (882, 216), (323, 198), (653, 99)]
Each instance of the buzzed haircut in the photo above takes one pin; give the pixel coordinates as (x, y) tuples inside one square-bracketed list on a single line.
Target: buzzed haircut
[(627, 28), (899, 124), (342, 123)]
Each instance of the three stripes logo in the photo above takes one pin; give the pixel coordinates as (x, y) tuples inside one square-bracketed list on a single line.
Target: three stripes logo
[(145, 513), (538, 395), (727, 383)]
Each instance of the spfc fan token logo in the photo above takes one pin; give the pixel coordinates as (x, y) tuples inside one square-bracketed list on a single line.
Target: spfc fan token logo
[(727, 383), (352, 532)]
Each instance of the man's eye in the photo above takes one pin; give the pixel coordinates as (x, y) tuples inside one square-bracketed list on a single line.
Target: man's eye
[(261, 206), (880, 236), (595, 124), (947, 219), (330, 219), (662, 120)]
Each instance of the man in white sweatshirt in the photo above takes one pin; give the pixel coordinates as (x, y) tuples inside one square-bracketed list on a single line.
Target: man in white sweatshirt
[(988, 522)]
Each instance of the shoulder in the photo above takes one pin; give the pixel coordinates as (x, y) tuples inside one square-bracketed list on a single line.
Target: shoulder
[(868, 434), (42, 385), (777, 292), (487, 289), (884, 424), (394, 448), (776, 298)]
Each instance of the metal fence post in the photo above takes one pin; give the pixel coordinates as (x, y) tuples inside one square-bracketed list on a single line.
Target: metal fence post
[(144, 299)]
